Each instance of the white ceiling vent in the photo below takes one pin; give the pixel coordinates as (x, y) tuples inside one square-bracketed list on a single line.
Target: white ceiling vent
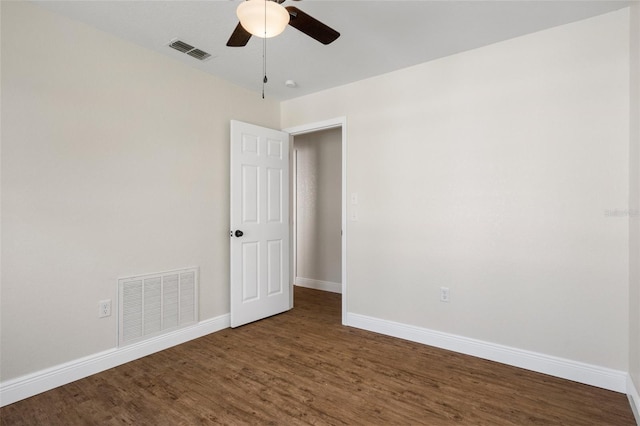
[(183, 47), (154, 304)]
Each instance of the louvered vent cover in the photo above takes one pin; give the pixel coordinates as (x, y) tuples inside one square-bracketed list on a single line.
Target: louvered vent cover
[(154, 304), (183, 47), (198, 54)]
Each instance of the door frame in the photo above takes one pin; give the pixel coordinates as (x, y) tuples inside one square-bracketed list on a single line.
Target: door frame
[(338, 122)]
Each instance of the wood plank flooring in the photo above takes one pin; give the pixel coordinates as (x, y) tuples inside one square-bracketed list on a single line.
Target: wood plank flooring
[(303, 367)]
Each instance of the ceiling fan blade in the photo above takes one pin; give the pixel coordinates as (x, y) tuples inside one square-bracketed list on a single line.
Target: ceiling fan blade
[(240, 37), (311, 26)]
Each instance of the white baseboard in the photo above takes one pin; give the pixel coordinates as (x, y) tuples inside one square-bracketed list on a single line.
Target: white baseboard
[(559, 367), (318, 284), (29, 385), (32, 384), (634, 398)]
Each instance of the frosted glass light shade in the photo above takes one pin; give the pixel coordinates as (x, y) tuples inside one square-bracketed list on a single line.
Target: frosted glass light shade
[(252, 19)]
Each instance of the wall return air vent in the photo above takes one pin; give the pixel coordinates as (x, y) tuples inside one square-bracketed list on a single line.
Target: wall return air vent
[(155, 304), (183, 47)]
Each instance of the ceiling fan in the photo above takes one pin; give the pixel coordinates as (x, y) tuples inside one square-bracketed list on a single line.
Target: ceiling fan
[(297, 19)]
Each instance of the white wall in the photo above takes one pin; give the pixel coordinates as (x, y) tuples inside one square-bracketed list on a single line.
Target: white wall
[(319, 207), (634, 202), (114, 163), (492, 172)]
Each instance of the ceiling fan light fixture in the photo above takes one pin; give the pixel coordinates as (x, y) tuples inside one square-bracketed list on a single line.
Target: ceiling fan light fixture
[(252, 17)]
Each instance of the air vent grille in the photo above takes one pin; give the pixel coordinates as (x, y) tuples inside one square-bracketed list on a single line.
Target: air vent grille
[(199, 54), (155, 304), (183, 47)]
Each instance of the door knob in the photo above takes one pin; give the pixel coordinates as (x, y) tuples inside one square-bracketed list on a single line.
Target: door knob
[(239, 233)]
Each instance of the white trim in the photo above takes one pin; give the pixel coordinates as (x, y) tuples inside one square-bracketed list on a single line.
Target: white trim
[(593, 375), (293, 217), (634, 398), (323, 125), (317, 126), (318, 284), (41, 381)]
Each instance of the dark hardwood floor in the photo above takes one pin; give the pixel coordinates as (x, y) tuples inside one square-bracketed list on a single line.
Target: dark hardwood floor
[(303, 367)]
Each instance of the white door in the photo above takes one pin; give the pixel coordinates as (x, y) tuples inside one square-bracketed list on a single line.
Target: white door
[(259, 223)]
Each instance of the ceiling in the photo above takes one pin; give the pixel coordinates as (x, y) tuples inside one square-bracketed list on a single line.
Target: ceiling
[(376, 36)]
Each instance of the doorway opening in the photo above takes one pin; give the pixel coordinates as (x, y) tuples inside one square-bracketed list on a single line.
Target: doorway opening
[(318, 207)]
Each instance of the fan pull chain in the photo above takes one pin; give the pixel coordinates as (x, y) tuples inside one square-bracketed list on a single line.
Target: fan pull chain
[(264, 50), (264, 64)]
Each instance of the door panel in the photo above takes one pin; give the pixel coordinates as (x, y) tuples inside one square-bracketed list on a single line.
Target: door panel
[(260, 210), (250, 275), (250, 193), (274, 197), (274, 260)]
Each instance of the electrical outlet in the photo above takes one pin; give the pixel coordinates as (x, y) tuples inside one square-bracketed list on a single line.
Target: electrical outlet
[(444, 294), (104, 308)]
